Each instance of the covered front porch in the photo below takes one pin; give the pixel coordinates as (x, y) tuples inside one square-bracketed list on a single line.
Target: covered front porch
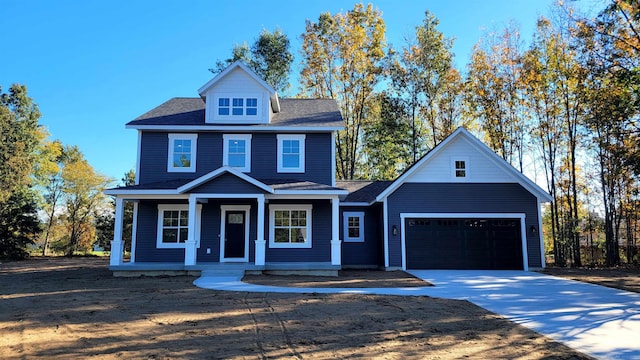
[(264, 228)]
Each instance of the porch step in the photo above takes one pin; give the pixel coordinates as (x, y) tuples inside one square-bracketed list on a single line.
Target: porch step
[(235, 273)]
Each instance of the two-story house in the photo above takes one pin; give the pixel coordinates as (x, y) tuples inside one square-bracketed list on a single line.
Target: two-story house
[(239, 178)]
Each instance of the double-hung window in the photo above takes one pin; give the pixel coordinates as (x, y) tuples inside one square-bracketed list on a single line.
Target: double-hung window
[(173, 225), (182, 153), (236, 151), (290, 226), (353, 223), (291, 153)]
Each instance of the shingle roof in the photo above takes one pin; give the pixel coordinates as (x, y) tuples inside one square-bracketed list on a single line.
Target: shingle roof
[(362, 190), (296, 185), (293, 112)]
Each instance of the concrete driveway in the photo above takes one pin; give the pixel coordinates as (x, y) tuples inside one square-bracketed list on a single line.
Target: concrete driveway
[(595, 320), (599, 321)]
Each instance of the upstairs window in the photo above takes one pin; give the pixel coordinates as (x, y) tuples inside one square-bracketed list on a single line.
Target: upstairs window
[(236, 151), (223, 106), (460, 168), (291, 153), (182, 153), (236, 106)]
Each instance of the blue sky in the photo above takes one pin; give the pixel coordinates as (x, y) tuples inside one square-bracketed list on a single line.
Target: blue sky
[(92, 66)]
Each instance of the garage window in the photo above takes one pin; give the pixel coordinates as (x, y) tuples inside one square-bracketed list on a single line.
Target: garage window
[(353, 226)]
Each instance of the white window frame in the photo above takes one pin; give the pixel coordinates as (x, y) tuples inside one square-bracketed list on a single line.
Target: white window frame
[(293, 207), (345, 224), (280, 161), (176, 207), (194, 149), (244, 98), (454, 169), (247, 148)]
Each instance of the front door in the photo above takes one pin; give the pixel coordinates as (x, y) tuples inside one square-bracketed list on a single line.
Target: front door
[(234, 235)]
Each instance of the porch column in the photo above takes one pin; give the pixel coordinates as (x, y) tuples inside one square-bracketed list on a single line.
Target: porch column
[(190, 244), (117, 244), (336, 250), (261, 243)]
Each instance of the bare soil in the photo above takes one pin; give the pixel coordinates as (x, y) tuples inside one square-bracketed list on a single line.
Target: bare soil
[(619, 278), (74, 308)]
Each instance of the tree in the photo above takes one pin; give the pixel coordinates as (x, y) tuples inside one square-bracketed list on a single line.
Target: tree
[(494, 94), (19, 138), (342, 60), (83, 189), (48, 179), (388, 150), (269, 57), (422, 75)]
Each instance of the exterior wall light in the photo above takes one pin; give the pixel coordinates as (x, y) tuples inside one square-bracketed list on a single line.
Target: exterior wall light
[(394, 230)]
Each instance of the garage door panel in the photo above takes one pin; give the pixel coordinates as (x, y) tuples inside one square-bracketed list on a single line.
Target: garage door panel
[(463, 243)]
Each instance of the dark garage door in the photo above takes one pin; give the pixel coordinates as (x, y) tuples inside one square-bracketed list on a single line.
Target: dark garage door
[(463, 244)]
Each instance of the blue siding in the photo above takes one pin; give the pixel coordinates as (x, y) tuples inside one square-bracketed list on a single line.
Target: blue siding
[(461, 198), (321, 236), (154, 152), (147, 230), (367, 253), (227, 184)]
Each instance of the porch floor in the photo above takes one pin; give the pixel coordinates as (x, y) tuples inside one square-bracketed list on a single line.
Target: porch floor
[(216, 266)]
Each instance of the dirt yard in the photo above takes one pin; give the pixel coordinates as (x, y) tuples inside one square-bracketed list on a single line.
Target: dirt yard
[(620, 278), (74, 308)]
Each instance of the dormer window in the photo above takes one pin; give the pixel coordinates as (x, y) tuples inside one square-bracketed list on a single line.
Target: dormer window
[(237, 107)]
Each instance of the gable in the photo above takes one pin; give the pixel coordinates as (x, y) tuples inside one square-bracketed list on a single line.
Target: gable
[(481, 165), (227, 184), (479, 168), (237, 84)]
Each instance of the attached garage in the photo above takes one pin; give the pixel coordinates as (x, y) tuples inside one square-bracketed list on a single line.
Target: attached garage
[(463, 243)]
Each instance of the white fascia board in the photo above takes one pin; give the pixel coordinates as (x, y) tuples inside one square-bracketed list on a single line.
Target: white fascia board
[(303, 196), (311, 192), (220, 171), (355, 204), (238, 64), (153, 196), (228, 128), (140, 192)]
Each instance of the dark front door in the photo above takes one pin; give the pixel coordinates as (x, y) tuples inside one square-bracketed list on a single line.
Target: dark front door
[(234, 234)]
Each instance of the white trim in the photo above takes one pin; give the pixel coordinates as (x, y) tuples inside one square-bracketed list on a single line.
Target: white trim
[(542, 251), (311, 192), (252, 128), (247, 150), (345, 226), (137, 182), (292, 207), (159, 226), (308, 195), (333, 159), (520, 178), (301, 138), (193, 154), (385, 225), (223, 217), (454, 169), (141, 192), (215, 173), (238, 64), (345, 204), (521, 216), (134, 232)]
